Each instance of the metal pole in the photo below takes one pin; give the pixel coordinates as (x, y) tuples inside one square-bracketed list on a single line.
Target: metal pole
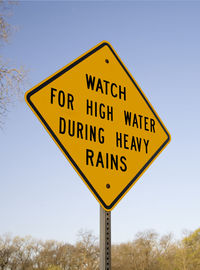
[(105, 239)]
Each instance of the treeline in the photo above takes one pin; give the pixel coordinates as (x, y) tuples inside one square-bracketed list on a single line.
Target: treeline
[(147, 251)]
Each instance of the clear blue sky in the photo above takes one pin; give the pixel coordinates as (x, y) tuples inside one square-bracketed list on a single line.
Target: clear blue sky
[(41, 195)]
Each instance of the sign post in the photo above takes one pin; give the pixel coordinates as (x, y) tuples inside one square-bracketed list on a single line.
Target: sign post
[(105, 239), (101, 120)]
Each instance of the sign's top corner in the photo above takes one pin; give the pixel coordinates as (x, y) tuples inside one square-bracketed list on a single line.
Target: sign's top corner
[(104, 43)]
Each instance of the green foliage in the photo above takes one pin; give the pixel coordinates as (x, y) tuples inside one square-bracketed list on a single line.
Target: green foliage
[(191, 249), (54, 268)]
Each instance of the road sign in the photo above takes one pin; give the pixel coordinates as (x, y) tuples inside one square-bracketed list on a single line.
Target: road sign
[(101, 120)]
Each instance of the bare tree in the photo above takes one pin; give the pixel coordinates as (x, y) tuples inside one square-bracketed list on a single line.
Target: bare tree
[(145, 252), (6, 251), (11, 78), (87, 252)]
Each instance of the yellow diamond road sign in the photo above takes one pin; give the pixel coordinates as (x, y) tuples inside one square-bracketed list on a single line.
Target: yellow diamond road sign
[(101, 120)]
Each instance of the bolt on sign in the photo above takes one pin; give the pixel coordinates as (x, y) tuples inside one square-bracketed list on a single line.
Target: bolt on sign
[(102, 122)]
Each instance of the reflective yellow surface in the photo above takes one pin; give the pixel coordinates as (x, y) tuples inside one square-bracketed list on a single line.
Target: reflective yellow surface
[(102, 122)]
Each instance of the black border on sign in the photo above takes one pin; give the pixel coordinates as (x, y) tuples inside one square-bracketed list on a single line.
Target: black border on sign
[(108, 207)]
